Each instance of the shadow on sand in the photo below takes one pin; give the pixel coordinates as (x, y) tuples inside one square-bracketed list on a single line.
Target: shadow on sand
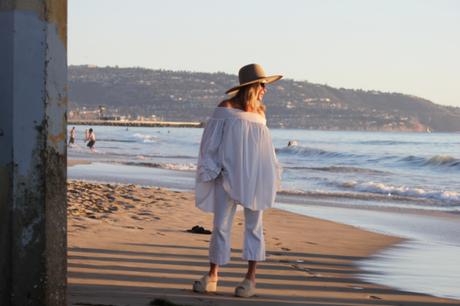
[(118, 277)]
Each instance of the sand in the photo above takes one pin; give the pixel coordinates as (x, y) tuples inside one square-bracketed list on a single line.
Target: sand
[(129, 245), (74, 162)]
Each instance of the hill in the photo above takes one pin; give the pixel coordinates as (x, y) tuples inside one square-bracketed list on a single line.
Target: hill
[(191, 96)]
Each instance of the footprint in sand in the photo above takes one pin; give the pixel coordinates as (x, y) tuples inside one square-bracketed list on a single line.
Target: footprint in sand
[(306, 270), (355, 287), (125, 205), (297, 267)]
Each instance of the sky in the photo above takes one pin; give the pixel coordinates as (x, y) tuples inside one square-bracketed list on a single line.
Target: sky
[(406, 46)]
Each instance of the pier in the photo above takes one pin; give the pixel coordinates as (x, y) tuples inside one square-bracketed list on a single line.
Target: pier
[(137, 123)]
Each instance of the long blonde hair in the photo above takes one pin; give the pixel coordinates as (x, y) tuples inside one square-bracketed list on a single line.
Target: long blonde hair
[(246, 98)]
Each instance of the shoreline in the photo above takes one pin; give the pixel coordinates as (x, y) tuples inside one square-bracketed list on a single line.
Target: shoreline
[(75, 162), (143, 251), (107, 172)]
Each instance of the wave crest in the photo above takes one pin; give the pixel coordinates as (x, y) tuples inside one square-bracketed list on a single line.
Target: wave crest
[(439, 161), (168, 166), (300, 150), (337, 169), (145, 137), (451, 197)]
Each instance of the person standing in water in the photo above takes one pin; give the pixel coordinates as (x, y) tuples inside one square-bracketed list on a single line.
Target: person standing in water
[(237, 166), (72, 136), (91, 138)]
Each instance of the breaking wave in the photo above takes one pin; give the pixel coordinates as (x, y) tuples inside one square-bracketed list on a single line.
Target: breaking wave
[(451, 197), (314, 152), (168, 166), (438, 161), (338, 169)]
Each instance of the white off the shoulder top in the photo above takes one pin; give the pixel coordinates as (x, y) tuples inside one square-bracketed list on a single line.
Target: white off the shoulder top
[(237, 145)]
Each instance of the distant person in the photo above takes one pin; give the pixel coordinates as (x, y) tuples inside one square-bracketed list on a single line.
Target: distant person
[(292, 143), (237, 136), (91, 138), (72, 136)]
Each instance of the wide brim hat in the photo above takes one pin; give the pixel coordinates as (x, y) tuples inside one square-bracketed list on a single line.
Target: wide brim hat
[(251, 74)]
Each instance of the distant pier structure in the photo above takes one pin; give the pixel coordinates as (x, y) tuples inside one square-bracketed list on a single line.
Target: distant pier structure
[(33, 103), (137, 123)]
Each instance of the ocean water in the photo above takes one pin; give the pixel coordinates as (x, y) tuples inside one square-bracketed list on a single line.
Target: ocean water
[(428, 261), (402, 184), (384, 169)]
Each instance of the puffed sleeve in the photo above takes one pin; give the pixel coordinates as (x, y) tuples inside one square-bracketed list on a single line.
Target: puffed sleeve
[(209, 167)]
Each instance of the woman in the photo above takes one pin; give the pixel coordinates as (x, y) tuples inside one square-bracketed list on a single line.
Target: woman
[(237, 165)]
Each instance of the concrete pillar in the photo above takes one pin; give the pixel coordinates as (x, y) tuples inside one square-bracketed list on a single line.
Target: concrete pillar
[(33, 104)]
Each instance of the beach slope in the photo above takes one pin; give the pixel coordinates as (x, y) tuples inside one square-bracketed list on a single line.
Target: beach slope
[(129, 245)]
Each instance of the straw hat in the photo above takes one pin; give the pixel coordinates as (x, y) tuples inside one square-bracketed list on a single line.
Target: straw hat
[(250, 74)]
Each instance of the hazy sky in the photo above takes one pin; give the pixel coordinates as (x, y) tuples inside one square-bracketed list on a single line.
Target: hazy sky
[(408, 46)]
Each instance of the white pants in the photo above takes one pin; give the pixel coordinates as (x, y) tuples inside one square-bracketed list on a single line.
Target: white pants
[(220, 246)]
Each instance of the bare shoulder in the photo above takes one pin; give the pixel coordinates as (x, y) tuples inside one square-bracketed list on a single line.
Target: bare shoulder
[(225, 103)]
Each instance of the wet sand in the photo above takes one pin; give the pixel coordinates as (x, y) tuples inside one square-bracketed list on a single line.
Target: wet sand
[(74, 162), (129, 245)]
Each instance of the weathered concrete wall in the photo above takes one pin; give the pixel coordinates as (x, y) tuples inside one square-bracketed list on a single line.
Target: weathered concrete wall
[(33, 102), (6, 83)]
